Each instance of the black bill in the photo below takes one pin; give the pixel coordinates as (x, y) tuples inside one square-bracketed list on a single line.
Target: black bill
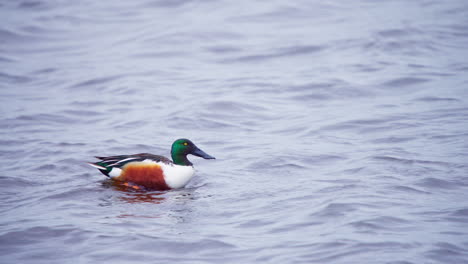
[(200, 153)]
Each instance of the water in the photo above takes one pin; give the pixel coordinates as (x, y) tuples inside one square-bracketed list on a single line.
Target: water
[(340, 130)]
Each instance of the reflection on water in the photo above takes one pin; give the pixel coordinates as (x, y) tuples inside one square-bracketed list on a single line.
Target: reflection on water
[(131, 193), (174, 206)]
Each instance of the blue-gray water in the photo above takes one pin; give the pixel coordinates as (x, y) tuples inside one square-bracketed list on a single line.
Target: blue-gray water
[(340, 130)]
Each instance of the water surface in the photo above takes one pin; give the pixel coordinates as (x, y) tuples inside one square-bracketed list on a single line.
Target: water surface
[(340, 130)]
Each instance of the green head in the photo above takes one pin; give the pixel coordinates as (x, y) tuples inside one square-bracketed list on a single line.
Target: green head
[(182, 147)]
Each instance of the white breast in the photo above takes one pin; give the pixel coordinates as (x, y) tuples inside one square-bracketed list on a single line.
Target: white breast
[(177, 176)]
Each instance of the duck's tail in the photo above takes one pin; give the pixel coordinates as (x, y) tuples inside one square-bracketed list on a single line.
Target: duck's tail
[(104, 170)]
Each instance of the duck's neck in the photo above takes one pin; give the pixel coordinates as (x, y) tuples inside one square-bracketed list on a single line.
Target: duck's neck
[(181, 159)]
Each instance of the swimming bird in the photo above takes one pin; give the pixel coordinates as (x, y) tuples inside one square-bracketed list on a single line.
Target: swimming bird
[(153, 171)]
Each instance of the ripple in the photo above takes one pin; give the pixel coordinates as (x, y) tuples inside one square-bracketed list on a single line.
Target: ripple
[(14, 79), (64, 195), (169, 3), (15, 182), (233, 107), (395, 33), (438, 183), (223, 49), (336, 210), (392, 159), (283, 52), (33, 235), (448, 253), (6, 59), (393, 140), (129, 124), (368, 125), (9, 36), (334, 252), (198, 246), (382, 223), (82, 113), (96, 82), (35, 5), (408, 189), (437, 99), (461, 213), (405, 81), (334, 89), (458, 216), (46, 118), (256, 223)]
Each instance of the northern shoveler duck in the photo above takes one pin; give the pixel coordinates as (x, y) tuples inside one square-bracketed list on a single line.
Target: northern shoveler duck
[(153, 171)]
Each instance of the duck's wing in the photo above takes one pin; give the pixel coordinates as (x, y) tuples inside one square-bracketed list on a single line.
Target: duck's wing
[(107, 164)]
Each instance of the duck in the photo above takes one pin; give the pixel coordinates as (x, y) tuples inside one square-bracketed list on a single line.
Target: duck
[(153, 171)]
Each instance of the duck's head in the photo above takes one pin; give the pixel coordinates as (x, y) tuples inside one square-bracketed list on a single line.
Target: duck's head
[(182, 147)]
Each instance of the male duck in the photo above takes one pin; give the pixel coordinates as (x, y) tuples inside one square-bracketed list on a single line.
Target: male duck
[(153, 171)]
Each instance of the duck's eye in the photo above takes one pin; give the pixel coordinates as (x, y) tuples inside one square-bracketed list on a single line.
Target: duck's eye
[(185, 144)]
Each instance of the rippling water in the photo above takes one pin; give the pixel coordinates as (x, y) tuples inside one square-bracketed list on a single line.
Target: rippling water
[(340, 130)]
